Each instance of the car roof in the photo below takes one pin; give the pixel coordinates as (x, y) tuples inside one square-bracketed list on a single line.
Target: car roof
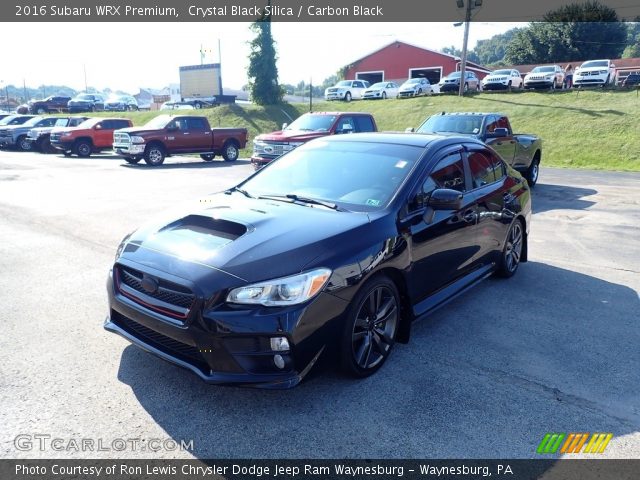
[(337, 113), (421, 140), (471, 114)]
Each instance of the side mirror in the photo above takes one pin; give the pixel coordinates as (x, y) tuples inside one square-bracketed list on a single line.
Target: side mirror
[(499, 132), (445, 199), (284, 125), (98, 127), (409, 130)]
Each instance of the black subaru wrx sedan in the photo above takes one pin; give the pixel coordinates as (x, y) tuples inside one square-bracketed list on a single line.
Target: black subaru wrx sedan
[(336, 247)]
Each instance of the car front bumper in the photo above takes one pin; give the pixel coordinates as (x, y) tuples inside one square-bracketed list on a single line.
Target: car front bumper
[(495, 86), (230, 344), (335, 96), (450, 87), (589, 80), (7, 141), (126, 149), (538, 83), (62, 146)]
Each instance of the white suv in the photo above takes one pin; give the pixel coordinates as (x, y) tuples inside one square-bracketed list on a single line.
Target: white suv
[(594, 72), (346, 90)]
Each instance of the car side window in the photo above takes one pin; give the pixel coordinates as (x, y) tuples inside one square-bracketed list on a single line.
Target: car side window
[(481, 168), (502, 122), (492, 124), (120, 124), (499, 168), (364, 124), (448, 173), (345, 125), (196, 124)]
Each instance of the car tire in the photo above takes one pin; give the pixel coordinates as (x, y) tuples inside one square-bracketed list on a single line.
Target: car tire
[(132, 160), (512, 251), (41, 110), (419, 92), (533, 172), (466, 88), (154, 155), (207, 157), (23, 144), (370, 328), (230, 152), (66, 153), (82, 148), (347, 97), (384, 95)]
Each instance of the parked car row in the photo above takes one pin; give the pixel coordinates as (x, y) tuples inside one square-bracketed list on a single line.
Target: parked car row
[(84, 102), (161, 137)]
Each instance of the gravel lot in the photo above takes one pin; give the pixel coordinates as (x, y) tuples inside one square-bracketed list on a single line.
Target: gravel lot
[(554, 349)]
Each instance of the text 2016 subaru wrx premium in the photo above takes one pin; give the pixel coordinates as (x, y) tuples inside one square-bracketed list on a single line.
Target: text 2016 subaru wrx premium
[(334, 248)]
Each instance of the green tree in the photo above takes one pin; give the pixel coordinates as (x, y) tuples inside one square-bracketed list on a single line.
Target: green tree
[(263, 71), (491, 51), (577, 31), (633, 40)]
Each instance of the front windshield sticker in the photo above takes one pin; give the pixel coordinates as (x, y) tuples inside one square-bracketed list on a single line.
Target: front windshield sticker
[(401, 164), (476, 130), (373, 202)]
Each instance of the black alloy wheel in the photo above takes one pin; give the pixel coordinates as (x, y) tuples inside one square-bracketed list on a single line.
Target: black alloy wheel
[(512, 252), (371, 326)]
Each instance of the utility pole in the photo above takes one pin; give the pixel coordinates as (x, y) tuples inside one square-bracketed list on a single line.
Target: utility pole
[(310, 94), (84, 67), (467, 21)]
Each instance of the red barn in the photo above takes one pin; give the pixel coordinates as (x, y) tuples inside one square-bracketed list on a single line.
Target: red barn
[(399, 61)]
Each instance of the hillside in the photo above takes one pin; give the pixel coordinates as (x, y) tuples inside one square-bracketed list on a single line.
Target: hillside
[(582, 129)]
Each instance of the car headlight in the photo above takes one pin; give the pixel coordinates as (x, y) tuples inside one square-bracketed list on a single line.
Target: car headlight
[(282, 291), (67, 134), (123, 243), (296, 144), (137, 139)]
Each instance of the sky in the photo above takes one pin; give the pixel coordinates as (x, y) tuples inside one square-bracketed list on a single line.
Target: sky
[(126, 56)]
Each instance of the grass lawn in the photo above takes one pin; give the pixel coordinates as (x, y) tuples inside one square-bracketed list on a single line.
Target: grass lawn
[(595, 129)]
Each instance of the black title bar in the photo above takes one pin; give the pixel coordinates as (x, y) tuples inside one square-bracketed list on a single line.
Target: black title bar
[(290, 10)]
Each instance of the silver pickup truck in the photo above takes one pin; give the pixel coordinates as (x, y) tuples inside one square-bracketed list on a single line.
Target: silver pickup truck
[(521, 151)]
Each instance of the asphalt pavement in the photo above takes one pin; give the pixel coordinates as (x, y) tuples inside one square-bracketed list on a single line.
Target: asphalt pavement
[(554, 349)]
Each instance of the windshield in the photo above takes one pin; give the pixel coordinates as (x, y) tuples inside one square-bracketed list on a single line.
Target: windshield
[(543, 70), (118, 98), (454, 75), (358, 176), (501, 72), (160, 121), (90, 122), (595, 63), (344, 83), (379, 85), (61, 122), (7, 120), (465, 124), (84, 97), (313, 123), (32, 122)]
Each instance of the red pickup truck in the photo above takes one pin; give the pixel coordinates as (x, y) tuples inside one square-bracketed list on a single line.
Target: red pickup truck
[(91, 136), (269, 146), (166, 135)]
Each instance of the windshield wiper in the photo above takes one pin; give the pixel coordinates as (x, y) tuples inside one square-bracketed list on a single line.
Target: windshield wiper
[(296, 198), (238, 189)]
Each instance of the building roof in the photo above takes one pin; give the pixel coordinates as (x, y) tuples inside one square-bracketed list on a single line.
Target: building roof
[(398, 42)]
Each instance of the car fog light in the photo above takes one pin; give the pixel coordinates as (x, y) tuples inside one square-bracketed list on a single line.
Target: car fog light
[(279, 344), (279, 361)]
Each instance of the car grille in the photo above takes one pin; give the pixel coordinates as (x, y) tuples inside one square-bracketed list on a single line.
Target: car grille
[(157, 340), (169, 298), (121, 139), (55, 137)]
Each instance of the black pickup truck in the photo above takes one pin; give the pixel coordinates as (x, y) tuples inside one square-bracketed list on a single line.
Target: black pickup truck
[(522, 151)]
